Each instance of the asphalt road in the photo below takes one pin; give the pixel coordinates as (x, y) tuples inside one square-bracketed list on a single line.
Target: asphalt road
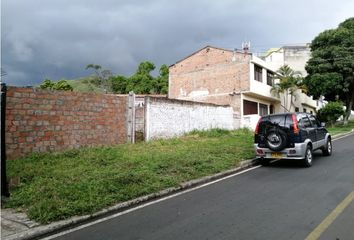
[(281, 201)]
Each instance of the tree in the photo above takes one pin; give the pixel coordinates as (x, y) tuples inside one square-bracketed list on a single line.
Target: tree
[(330, 69), (289, 81), (60, 85), (161, 82), (142, 81), (103, 76), (119, 84)]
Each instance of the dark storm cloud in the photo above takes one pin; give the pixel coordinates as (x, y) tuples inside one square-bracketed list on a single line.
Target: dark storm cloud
[(57, 39)]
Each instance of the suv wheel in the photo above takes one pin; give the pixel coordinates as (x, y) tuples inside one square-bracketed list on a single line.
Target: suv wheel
[(276, 139), (308, 157), (327, 150)]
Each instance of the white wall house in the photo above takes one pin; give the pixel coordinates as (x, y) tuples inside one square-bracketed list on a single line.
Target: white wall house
[(260, 92)]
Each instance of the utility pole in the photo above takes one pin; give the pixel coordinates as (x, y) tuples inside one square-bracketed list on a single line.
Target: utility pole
[(4, 185)]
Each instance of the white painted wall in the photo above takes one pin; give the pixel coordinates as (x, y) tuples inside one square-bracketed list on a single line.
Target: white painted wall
[(294, 56), (261, 89), (166, 118), (250, 121), (275, 59)]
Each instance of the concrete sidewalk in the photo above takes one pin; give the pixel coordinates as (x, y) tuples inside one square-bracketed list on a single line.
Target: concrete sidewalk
[(13, 222)]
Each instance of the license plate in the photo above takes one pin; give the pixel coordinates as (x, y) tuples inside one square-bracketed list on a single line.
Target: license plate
[(277, 155)]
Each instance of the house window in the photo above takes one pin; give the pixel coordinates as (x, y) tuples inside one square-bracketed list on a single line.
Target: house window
[(271, 109), (296, 109), (249, 107), (270, 76), (257, 73), (305, 109), (263, 109)]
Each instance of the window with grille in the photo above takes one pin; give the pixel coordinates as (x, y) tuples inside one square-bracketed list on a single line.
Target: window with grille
[(257, 73), (249, 107), (270, 77), (263, 109)]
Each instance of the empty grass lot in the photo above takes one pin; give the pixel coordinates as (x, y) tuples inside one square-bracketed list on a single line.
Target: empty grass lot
[(56, 186)]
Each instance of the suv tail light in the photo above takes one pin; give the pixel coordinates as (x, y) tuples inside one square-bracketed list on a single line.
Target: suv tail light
[(257, 126), (260, 152), (295, 124)]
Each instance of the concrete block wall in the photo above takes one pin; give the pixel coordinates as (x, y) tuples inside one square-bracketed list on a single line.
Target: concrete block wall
[(166, 118), (43, 120)]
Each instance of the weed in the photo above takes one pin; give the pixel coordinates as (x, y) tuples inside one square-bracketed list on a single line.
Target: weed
[(55, 186)]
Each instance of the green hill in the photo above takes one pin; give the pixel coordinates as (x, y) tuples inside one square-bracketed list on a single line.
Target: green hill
[(85, 84)]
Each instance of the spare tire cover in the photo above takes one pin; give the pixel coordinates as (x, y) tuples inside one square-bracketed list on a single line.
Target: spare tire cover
[(276, 139)]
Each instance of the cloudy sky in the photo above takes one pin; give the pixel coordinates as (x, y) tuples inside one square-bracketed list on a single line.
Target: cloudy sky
[(56, 39)]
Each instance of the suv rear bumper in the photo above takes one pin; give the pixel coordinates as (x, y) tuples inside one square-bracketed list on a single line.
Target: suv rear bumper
[(297, 152)]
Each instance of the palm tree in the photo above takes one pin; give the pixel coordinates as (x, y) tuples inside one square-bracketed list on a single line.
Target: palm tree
[(289, 81)]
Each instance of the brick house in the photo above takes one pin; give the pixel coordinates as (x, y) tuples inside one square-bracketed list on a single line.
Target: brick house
[(222, 76)]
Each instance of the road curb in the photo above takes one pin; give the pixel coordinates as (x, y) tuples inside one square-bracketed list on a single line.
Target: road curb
[(343, 134), (46, 230)]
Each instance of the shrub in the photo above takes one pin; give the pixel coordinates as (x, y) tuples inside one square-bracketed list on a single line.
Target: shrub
[(330, 112), (60, 85)]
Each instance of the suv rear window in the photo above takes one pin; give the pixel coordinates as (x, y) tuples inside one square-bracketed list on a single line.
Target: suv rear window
[(283, 120)]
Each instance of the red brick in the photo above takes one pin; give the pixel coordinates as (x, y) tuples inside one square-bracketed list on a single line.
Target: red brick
[(36, 117)]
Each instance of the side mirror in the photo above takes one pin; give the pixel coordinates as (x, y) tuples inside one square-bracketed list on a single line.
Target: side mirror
[(323, 124)]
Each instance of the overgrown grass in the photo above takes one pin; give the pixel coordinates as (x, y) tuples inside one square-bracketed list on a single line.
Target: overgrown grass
[(341, 128), (56, 186)]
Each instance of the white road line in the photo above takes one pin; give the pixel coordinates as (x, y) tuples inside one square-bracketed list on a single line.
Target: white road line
[(145, 205)]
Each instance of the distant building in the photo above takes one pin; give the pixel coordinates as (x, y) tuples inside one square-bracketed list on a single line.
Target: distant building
[(294, 56)]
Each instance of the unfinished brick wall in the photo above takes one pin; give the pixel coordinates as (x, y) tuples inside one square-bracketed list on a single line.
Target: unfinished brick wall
[(42, 120), (210, 75)]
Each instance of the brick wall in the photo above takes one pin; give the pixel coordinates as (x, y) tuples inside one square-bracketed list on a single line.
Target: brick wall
[(42, 120), (210, 75)]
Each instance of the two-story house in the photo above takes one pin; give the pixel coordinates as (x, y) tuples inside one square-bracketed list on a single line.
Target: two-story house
[(227, 77)]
